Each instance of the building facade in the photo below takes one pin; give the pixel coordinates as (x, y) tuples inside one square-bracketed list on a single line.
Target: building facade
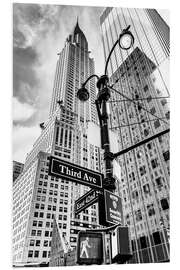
[(139, 109), (17, 169), (39, 197)]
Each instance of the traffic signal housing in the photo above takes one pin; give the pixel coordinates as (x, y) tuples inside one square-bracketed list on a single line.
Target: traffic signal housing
[(121, 245), (90, 248)]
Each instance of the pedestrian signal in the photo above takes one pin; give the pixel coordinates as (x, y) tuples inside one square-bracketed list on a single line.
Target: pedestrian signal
[(89, 248), (121, 245)]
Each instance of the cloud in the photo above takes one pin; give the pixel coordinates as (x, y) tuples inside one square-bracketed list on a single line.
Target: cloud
[(21, 111), (23, 140)]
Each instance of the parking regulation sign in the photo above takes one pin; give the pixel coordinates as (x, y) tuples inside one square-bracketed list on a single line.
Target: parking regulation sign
[(113, 208)]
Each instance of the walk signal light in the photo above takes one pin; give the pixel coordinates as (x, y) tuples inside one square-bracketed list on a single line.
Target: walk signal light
[(89, 248)]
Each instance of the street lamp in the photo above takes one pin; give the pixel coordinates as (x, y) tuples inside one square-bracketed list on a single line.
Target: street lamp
[(125, 41)]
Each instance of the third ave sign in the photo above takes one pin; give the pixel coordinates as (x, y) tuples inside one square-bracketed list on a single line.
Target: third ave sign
[(74, 173)]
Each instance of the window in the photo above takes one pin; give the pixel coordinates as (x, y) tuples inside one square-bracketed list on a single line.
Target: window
[(31, 243), (39, 233), (45, 243), (145, 88), (48, 215), (38, 243), (157, 123), (135, 194), (30, 253), (166, 155), (160, 139), (149, 146), (46, 233), (138, 215), (93, 219), (42, 206), (48, 224), (158, 182), (43, 198), (142, 170), (163, 102), (157, 238), (151, 210), (164, 204), (41, 214), (146, 132), (37, 206), (154, 163), (44, 255), (40, 223), (153, 110), (34, 222), (35, 214), (146, 188), (143, 242), (167, 115), (36, 253), (149, 98)]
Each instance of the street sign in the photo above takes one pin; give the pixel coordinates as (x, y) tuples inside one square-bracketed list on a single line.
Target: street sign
[(85, 201), (110, 209), (90, 248), (75, 173)]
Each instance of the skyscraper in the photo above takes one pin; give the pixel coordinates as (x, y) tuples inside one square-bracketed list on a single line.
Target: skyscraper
[(139, 109), (38, 197)]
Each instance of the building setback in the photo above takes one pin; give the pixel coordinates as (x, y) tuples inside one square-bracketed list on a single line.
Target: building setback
[(37, 196), (141, 74), (17, 169)]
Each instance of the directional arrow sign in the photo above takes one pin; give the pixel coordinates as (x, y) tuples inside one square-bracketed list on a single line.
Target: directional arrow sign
[(75, 173), (85, 201)]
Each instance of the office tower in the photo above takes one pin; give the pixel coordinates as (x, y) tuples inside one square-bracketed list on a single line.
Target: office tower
[(38, 197), (17, 169), (139, 109)]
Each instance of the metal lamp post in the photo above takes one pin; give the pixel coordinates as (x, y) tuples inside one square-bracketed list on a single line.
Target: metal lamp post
[(125, 41)]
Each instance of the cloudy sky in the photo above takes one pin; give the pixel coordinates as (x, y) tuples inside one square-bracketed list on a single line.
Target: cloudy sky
[(39, 33)]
